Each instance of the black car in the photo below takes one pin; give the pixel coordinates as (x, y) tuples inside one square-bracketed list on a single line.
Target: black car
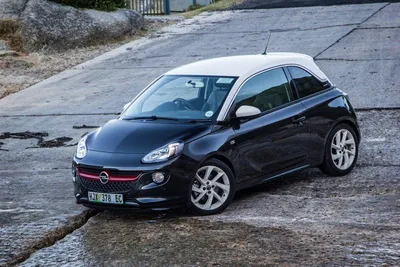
[(203, 131)]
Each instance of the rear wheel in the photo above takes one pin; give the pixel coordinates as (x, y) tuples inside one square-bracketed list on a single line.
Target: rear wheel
[(212, 189), (341, 151)]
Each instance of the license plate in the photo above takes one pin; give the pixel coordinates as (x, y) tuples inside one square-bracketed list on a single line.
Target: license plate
[(106, 198)]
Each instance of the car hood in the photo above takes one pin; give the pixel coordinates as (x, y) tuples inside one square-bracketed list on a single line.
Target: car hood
[(141, 137)]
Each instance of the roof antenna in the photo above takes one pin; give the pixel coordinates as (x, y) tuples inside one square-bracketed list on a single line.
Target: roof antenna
[(266, 47)]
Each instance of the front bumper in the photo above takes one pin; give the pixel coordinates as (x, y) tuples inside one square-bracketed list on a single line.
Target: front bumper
[(140, 194)]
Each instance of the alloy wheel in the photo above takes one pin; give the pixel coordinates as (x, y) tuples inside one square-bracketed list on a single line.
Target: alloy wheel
[(210, 189), (343, 149)]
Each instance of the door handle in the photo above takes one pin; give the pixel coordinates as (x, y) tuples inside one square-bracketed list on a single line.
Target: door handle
[(298, 120)]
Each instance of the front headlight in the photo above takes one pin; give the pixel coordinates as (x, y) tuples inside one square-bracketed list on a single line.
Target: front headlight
[(81, 150), (164, 153)]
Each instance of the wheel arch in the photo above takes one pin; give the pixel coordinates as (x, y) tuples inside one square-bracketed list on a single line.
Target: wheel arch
[(344, 120), (327, 165), (349, 122), (224, 159)]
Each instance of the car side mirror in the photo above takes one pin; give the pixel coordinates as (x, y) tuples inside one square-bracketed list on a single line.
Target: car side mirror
[(247, 111)]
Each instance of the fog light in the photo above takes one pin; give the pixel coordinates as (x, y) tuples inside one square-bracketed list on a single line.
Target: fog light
[(158, 177)]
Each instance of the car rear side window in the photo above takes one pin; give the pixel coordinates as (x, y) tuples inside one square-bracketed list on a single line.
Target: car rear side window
[(306, 83), (265, 91)]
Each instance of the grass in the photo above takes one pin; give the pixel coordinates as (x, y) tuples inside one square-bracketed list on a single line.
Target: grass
[(217, 6)]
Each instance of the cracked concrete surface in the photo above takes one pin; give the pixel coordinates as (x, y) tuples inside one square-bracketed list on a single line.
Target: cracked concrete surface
[(304, 219)]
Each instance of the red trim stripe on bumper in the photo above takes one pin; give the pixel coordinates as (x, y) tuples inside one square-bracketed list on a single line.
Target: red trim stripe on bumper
[(112, 178)]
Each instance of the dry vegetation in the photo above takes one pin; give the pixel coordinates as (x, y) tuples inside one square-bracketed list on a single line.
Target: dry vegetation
[(9, 32), (217, 6)]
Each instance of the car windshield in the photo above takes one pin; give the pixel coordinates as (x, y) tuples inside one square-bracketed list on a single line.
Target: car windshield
[(176, 97)]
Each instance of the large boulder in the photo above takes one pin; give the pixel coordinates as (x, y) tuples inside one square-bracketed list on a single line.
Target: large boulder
[(12, 9), (48, 25)]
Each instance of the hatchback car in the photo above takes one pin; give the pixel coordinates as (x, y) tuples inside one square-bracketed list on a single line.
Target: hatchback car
[(203, 131)]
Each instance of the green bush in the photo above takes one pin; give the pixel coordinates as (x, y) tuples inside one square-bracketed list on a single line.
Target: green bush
[(106, 5)]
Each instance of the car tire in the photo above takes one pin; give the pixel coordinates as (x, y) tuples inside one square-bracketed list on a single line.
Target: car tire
[(210, 194), (341, 151)]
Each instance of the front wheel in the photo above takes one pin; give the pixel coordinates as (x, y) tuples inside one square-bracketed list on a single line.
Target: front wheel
[(213, 188), (341, 151)]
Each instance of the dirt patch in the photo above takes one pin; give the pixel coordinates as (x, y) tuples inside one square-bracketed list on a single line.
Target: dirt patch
[(51, 237), (84, 126), (57, 142), (25, 135)]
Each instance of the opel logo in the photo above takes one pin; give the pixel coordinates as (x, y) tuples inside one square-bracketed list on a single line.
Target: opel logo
[(104, 177)]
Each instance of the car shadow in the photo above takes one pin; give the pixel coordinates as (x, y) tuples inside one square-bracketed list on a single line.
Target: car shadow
[(281, 185), (277, 185)]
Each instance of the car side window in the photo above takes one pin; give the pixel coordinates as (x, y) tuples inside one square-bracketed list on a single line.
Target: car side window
[(306, 83), (265, 91)]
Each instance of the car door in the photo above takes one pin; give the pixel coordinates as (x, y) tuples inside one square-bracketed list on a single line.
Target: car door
[(321, 108), (277, 139)]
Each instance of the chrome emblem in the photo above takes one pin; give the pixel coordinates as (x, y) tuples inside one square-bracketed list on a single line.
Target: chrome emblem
[(104, 177)]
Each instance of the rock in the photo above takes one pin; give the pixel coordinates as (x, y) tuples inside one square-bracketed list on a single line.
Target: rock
[(3, 45), (11, 9), (5, 49), (48, 25)]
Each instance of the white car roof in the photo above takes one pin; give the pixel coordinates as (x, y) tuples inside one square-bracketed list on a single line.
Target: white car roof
[(239, 66)]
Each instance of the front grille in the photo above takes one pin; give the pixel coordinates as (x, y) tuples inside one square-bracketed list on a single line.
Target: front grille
[(97, 171), (111, 187)]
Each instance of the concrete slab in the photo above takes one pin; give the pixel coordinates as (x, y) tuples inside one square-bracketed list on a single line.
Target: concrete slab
[(296, 18), (36, 159), (370, 84), (257, 227), (366, 44), (262, 4), (380, 143), (184, 49), (128, 71), (37, 188), (310, 42), (33, 204), (128, 74), (14, 151), (387, 17), (24, 201), (54, 126), (86, 92)]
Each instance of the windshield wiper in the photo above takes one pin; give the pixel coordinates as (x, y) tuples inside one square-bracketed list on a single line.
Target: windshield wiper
[(150, 118), (198, 120)]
